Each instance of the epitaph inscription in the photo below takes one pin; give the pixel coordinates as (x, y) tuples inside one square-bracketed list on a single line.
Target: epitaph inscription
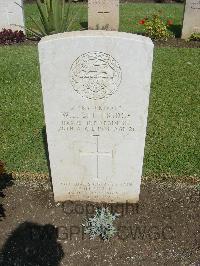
[(96, 102), (191, 20), (96, 120), (195, 4)]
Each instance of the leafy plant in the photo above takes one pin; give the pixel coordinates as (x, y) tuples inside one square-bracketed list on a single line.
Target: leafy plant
[(195, 37), (55, 17), (156, 28), (101, 224), (8, 36)]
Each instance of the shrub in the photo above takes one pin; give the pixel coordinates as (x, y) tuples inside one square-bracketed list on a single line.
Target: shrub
[(7, 36), (54, 18), (101, 224), (195, 37), (156, 28)]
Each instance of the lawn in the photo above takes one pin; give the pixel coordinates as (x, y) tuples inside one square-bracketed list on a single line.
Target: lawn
[(130, 15), (173, 125), (172, 145)]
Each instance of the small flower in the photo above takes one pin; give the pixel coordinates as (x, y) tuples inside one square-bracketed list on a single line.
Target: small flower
[(170, 22), (142, 21)]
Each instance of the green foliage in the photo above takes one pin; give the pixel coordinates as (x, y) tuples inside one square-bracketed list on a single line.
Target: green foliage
[(156, 28), (8, 36), (55, 17), (101, 224), (195, 37)]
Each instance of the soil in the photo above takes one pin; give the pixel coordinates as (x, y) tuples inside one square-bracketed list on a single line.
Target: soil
[(162, 229), (173, 43), (125, 1), (177, 43)]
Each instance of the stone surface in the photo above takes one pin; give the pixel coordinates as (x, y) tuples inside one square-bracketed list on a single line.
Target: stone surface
[(96, 88), (191, 21), (103, 14), (11, 14)]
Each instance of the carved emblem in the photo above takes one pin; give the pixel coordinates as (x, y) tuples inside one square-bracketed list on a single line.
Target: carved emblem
[(95, 75)]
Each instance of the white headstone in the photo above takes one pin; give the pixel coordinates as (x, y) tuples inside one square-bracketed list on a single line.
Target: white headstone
[(11, 15), (103, 14), (191, 21), (96, 87)]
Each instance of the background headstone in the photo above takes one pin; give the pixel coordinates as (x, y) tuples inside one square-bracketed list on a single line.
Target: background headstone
[(103, 15), (11, 15), (96, 103), (191, 21)]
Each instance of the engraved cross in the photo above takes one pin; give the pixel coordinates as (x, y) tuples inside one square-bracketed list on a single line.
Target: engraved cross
[(97, 153)]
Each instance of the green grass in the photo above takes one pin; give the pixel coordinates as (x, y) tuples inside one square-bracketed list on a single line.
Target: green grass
[(21, 109), (172, 141), (130, 14), (172, 144)]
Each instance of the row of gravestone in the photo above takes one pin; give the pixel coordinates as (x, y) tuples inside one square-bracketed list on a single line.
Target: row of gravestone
[(96, 101), (102, 14)]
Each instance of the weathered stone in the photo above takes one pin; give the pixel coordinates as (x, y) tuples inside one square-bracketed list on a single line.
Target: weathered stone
[(96, 88), (191, 21), (103, 14), (11, 15)]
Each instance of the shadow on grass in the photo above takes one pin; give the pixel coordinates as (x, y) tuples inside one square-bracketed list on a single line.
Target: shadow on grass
[(84, 25), (5, 181), (176, 30), (45, 143), (32, 244)]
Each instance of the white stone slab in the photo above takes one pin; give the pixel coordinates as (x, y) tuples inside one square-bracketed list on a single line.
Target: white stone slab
[(191, 21), (96, 88), (103, 14), (11, 15)]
